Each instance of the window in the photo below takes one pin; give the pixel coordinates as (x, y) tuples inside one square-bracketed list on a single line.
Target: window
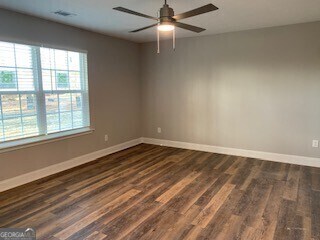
[(42, 91)]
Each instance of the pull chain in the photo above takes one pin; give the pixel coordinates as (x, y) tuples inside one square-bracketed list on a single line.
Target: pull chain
[(158, 41), (174, 39), (158, 36)]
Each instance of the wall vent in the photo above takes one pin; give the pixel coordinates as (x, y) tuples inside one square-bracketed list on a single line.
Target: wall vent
[(64, 13)]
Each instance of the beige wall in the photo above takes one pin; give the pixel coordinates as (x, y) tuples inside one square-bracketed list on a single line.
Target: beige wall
[(114, 84), (256, 90)]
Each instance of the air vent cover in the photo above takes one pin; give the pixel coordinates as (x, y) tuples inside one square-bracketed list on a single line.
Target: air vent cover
[(64, 13)]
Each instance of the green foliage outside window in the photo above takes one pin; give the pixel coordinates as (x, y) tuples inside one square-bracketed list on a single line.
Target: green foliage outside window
[(8, 79), (62, 80)]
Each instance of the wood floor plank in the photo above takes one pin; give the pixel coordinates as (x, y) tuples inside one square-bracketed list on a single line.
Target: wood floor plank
[(96, 236), (315, 216), (125, 223), (234, 167), (182, 225), (193, 233), (257, 205), (286, 219), (213, 206), (95, 214), (217, 223), (268, 223), (230, 228), (175, 189), (292, 185), (155, 192), (306, 228), (216, 185), (187, 198)]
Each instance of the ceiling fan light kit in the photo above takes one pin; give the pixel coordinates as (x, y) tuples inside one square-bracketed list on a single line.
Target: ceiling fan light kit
[(165, 27), (167, 21)]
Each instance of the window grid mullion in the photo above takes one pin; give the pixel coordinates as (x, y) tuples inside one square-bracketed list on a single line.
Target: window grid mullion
[(22, 127), (16, 92), (71, 110), (17, 79), (62, 91), (51, 71), (55, 71), (3, 135), (58, 96), (41, 100), (84, 104), (55, 80), (25, 68), (15, 64)]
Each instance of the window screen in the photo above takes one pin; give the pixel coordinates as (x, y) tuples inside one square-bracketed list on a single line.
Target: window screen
[(42, 91)]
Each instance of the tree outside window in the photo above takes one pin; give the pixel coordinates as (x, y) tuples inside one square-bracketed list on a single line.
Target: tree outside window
[(62, 80), (8, 79)]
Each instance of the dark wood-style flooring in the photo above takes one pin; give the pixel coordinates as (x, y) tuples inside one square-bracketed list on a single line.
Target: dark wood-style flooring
[(152, 192)]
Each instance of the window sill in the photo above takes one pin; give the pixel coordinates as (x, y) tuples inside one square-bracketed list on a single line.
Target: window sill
[(33, 141)]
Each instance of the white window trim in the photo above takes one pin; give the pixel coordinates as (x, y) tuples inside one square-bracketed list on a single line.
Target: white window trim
[(16, 144), (42, 44), (43, 139)]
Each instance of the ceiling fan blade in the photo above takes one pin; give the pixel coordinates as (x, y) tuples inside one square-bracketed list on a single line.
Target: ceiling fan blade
[(189, 27), (140, 29), (121, 9), (204, 9)]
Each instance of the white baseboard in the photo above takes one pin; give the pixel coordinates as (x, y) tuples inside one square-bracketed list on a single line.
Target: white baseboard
[(276, 157), (44, 172)]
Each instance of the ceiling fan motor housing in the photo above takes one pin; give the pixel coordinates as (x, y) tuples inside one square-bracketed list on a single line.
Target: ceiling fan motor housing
[(166, 14)]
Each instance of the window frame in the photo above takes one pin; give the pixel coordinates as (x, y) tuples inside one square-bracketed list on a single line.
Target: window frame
[(39, 94)]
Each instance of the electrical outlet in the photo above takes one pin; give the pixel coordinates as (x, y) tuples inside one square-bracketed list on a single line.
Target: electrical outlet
[(159, 129), (106, 138), (315, 143)]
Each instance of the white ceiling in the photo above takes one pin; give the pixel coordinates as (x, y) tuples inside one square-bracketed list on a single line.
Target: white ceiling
[(233, 15)]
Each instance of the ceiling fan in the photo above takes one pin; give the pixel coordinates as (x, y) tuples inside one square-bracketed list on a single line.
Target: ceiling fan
[(167, 21)]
